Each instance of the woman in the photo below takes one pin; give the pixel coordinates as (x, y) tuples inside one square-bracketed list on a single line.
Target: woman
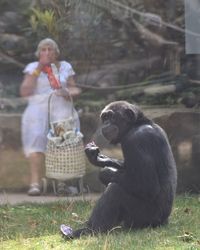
[(36, 86)]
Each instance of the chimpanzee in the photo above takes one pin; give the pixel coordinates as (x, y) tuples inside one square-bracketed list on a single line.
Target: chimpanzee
[(141, 188)]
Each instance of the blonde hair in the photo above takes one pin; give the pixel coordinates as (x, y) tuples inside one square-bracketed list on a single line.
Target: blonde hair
[(47, 41)]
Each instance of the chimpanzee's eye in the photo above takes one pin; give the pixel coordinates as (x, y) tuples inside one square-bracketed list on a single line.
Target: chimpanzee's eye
[(103, 116), (107, 115)]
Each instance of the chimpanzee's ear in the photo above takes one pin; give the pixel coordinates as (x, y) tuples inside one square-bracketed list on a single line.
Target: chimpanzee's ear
[(131, 114)]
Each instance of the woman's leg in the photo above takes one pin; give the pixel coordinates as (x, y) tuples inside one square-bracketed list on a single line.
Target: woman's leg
[(36, 162)]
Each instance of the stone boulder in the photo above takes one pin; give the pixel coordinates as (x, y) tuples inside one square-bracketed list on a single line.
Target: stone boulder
[(183, 130)]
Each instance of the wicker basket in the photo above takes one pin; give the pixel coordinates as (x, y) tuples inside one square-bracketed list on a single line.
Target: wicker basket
[(66, 160)]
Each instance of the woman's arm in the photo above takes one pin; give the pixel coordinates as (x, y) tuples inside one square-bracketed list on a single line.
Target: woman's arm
[(28, 85), (73, 89)]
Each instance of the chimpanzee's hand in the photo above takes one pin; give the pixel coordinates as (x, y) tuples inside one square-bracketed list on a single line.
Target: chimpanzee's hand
[(100, 160), (94, 156), (92, 152)]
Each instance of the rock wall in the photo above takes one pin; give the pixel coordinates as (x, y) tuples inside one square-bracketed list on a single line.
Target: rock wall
[(181, 126)]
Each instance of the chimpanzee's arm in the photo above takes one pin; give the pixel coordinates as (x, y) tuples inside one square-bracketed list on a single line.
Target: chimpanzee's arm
[(100, 160), (105, 161)]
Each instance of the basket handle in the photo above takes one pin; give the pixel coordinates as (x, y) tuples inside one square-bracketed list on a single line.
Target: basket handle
[(49, 107)]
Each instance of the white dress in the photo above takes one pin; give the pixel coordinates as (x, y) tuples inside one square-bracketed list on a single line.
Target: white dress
[(35, 125)]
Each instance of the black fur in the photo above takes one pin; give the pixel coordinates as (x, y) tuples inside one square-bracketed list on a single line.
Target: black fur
[(141, 188)]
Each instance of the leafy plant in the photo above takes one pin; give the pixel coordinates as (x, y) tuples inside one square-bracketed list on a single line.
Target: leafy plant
[(44, 22)]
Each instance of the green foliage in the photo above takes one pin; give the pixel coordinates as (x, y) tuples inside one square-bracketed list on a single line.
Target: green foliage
[(44, 23)]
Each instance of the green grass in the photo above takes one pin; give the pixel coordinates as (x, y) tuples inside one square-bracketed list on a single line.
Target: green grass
[(36, 226)]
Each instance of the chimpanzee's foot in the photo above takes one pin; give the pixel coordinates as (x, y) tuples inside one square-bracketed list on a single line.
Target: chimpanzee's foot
[(83, 231)]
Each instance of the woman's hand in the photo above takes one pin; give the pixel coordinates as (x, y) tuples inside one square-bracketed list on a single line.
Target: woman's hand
[(43, 61), (64, 92), (73, 89)]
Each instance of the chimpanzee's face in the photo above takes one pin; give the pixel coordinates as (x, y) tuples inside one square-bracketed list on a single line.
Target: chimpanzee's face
[(116, 121), (110, 130)]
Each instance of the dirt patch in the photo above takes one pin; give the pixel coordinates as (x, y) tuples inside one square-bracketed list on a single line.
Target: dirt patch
[(14, 169)]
